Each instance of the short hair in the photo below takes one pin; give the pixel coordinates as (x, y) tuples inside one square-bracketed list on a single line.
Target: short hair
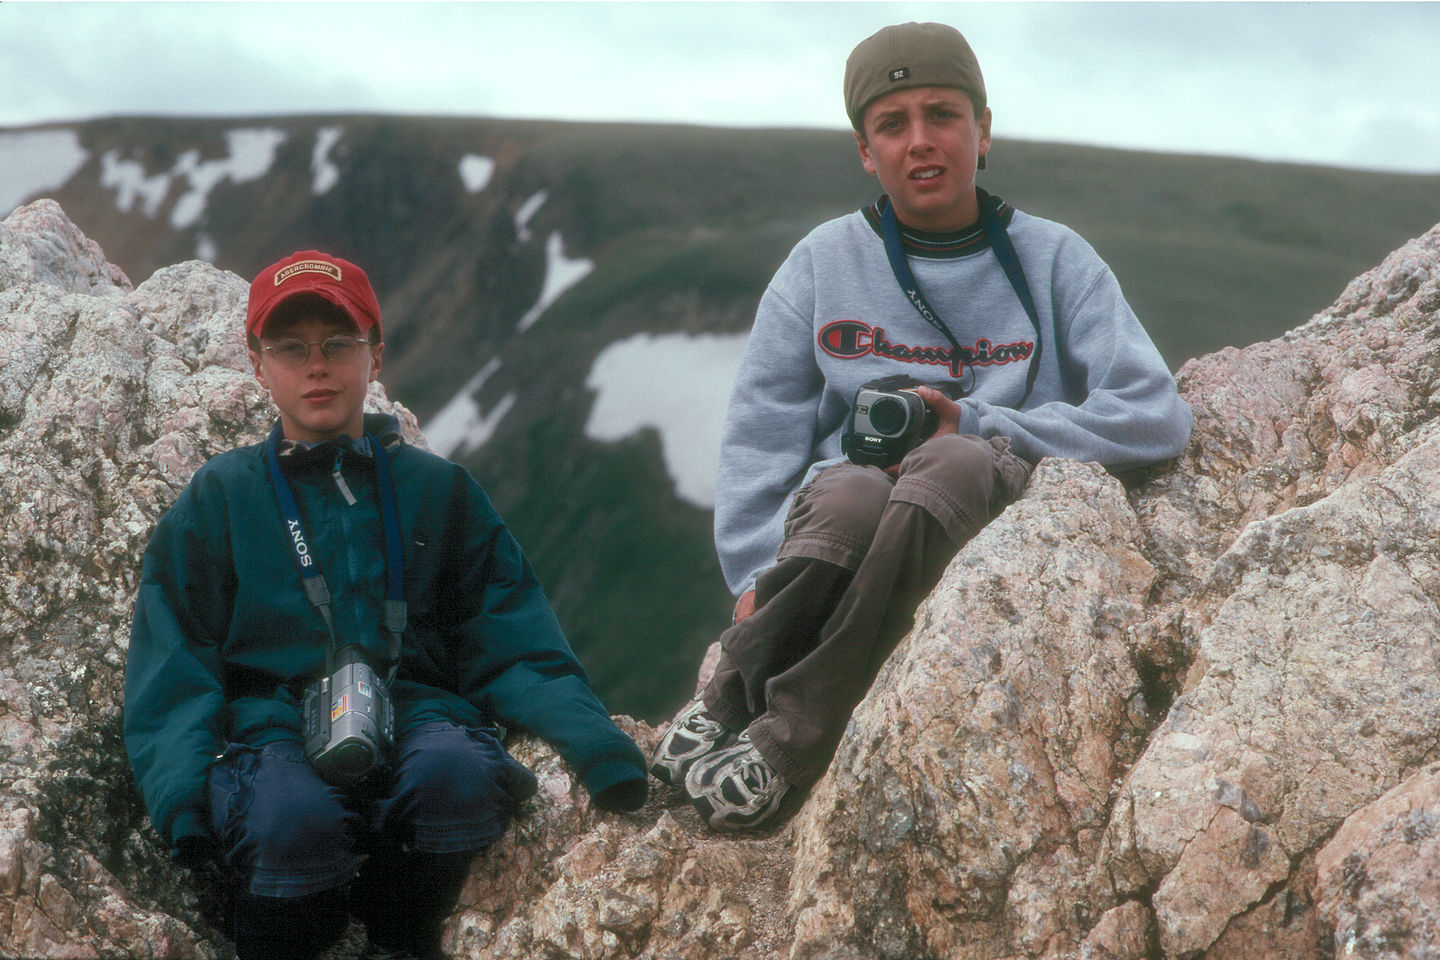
[(311, 305)]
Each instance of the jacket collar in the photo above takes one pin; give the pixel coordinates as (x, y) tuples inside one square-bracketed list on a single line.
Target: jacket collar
[(382, 426)]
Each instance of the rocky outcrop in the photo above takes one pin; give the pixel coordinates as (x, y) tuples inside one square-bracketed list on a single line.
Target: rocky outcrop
[(110, 398), (1122, 728), (1194, 714)]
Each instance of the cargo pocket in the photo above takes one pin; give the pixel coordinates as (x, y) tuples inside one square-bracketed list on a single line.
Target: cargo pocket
[(1012, 475), (230, 785)]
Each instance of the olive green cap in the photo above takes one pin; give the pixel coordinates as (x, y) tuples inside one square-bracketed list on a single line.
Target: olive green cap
[(910, 55)]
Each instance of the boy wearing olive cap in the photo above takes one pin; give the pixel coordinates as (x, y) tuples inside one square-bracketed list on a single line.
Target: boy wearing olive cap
[(1023, 347), (274, 560)]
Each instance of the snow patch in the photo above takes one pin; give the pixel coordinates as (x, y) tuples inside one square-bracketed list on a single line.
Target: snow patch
[(475, 172), (461, 427), (678, 384), (252, 152), (527, 211), (560, 275), (36, 161), (205, 248), (127, 178), (325, 172)]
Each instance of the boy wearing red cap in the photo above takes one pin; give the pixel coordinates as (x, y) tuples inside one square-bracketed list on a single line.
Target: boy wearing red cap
[(332, 632), (1010, 329)]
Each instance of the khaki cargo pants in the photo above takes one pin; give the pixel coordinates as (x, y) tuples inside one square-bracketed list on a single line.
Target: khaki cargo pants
[(861, 550)]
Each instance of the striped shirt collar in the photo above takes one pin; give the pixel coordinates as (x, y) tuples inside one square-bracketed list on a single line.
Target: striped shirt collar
[(938, 246)]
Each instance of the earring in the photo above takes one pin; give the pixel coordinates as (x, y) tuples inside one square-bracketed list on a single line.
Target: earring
[(981, 164)]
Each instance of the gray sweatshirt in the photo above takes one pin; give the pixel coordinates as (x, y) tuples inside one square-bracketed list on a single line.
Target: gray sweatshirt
[(834, 317)]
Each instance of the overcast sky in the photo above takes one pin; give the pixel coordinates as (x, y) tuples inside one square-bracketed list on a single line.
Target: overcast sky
[(1354, 85)]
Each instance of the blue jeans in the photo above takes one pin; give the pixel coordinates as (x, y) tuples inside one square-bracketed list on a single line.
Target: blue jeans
[(288, 833)]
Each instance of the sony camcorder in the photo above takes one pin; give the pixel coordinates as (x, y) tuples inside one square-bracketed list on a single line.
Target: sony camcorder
[(887, 420), (349, 719)]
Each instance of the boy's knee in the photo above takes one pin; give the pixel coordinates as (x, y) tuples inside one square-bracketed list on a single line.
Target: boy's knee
[(454, 779), (964, 461), (272, 812), (951, 458), (287, 828), (834, 517), (962, 480)]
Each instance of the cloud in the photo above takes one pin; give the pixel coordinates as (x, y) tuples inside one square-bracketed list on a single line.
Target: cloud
[(83, 60), (1250, 79)]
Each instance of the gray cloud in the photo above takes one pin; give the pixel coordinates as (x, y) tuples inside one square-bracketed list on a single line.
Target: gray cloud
[(1334, 83)]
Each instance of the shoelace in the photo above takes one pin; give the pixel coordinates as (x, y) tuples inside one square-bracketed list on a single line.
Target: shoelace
[(704, 726), (755, 773)]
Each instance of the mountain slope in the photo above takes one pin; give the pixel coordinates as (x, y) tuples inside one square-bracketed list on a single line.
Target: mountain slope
[(510, 255)]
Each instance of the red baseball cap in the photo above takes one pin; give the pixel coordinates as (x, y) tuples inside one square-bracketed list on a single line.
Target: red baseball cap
[(310, 271)]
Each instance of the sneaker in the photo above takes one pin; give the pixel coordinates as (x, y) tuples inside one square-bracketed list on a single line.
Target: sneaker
[(693, 734), (736, 789)]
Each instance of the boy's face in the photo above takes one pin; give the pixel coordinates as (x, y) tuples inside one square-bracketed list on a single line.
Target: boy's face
[(923, 144), (320, 399)]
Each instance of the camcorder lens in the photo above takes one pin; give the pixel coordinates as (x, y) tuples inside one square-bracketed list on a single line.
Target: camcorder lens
[(888, 416), (351, 760)]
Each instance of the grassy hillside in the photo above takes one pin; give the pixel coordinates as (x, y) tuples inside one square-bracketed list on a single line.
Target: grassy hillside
[(1214, 252)]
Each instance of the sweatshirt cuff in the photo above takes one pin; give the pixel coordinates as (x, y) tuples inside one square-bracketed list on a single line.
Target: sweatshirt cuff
[(969, 420)]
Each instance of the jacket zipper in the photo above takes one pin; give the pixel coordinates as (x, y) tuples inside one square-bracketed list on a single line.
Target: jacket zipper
[(340, 478)]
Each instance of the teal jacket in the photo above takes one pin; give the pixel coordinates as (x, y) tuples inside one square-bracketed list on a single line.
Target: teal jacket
[(224, 640)]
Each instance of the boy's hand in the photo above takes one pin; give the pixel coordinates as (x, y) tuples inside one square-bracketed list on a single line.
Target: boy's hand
[(946, 409), (744, 606), (623, 797), (196, 852)]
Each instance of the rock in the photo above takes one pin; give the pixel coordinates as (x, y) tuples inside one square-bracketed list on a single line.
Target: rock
[(1378, 876), (43, 248), (1319, 692), (568, 882), (1313, 688), (110, 397), (1187, 714), (973, 785), (1116, 718)]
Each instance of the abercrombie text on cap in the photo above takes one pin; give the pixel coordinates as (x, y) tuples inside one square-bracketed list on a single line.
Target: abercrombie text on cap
[(308, 266), (899, 73)]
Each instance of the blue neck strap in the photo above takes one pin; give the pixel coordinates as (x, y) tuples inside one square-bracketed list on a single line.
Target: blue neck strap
[(316, 589), (1009, 261)]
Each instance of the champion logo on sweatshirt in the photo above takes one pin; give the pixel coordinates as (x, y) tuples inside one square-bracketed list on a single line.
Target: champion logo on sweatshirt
[(853, 339)]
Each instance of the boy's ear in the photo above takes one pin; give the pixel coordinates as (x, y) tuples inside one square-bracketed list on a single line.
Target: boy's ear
[(259, 370), (375, 352), (864, 147)]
